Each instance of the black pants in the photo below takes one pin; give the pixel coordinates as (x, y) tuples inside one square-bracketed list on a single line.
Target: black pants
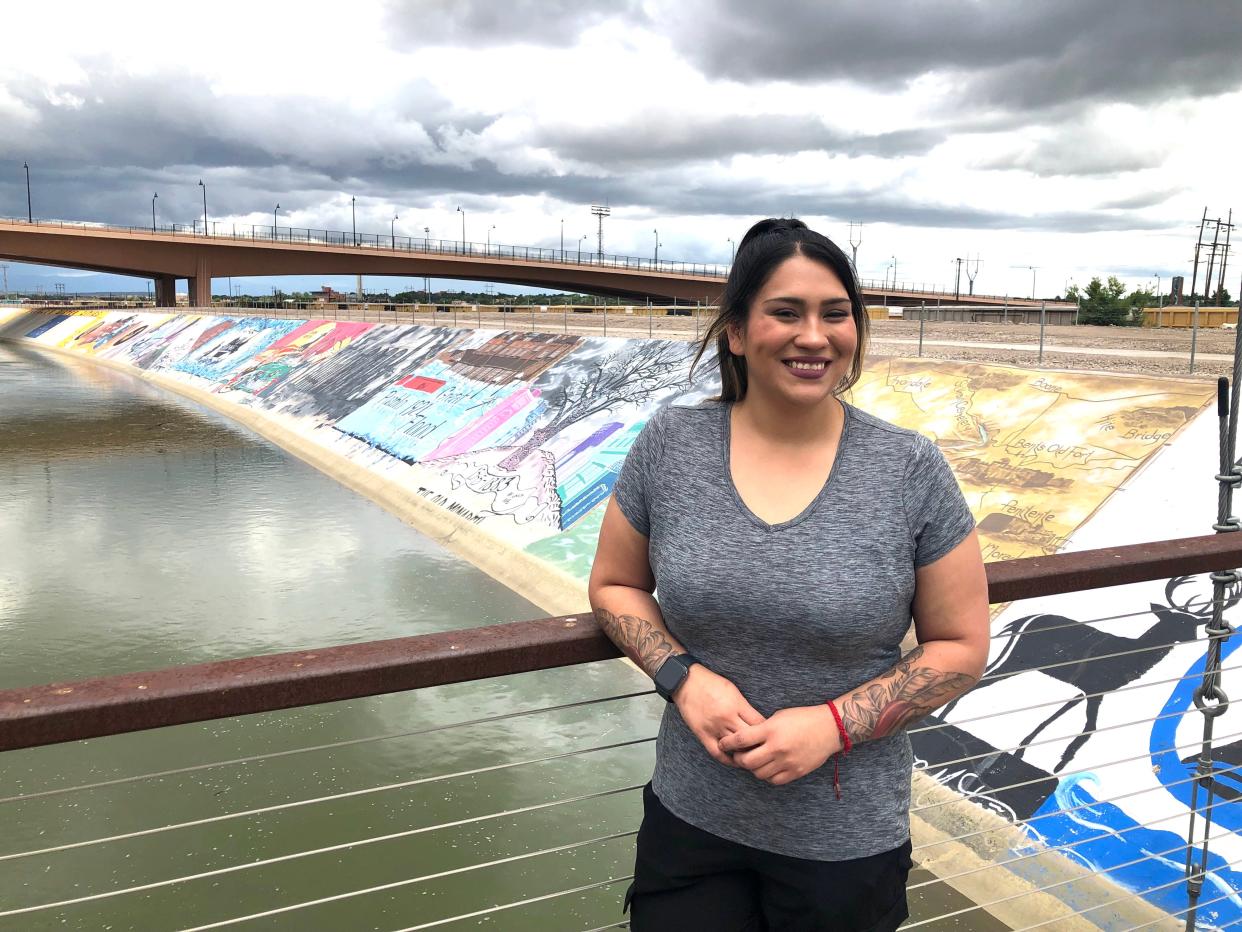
[(688, 879)]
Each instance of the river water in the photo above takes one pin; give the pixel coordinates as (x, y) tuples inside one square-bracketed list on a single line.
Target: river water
[(141, 531)]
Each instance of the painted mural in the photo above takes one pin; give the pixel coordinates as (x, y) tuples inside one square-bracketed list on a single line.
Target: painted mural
[(1083, 731)]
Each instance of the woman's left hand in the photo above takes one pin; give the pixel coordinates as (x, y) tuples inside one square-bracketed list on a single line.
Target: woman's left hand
[(787, 746)]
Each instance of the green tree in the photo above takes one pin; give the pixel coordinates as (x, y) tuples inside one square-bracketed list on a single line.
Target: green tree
[(1102, 303)]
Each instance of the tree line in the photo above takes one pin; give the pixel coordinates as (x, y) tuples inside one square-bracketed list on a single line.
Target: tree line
[(1106, 302)]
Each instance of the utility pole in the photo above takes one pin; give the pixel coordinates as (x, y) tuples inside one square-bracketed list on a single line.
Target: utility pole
[(1224, 256), (855, 242), (957, 281), (1194, 277), (601, 213), (4, 270), (972, 272), (1207, 278)]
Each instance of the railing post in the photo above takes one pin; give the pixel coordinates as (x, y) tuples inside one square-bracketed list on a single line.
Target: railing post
[(1194, 336), (922, 316), (605, 320), (1043, 308)]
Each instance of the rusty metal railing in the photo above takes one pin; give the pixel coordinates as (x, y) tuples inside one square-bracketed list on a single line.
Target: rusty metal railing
[(58, 712)]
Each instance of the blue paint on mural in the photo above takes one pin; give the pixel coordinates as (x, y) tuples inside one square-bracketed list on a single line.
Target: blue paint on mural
[(1107, 840), (219, 356), (48, 324)]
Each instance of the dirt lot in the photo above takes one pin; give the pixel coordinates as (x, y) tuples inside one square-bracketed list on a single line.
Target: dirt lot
[(1115, 348)]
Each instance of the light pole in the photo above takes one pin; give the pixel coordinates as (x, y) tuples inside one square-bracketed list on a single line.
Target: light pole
[(274, 212), (353, 217), (894, 258), (580, 242), (153, 197), (426, 238), (489, 237), (957, 281), (29, 212), (656, 259), (463, 228), (393, 230), (204, 187), (562, 239), (732, 250)]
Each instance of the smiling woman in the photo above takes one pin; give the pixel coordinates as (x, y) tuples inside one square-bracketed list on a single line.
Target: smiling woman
[(793, 538)]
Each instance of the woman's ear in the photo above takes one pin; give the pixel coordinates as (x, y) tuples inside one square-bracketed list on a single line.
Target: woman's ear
[(737, 345)]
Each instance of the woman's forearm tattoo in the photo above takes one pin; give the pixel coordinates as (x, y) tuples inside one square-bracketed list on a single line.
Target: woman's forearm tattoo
[(900, 697), (641, 640)]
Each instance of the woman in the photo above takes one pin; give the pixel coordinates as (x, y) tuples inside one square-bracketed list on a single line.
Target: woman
[(792, 537)]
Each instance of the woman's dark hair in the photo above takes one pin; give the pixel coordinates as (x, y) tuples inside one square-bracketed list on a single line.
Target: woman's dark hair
[(765, 246)]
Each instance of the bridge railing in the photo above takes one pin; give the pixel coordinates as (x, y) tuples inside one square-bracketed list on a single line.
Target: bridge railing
[(452, 824), (426, 245)]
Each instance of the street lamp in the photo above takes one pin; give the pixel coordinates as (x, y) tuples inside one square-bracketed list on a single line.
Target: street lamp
[(204, 187), (463, 228), (427, 239), (580, 242), (274, 228), (153, 197), (732, 250), (894, 258), (656, 260), (489, 237), (353, 218), (562, 239), (393, 230), (29, 213)]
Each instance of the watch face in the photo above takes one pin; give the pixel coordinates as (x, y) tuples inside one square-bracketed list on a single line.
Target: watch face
[(669, 676)]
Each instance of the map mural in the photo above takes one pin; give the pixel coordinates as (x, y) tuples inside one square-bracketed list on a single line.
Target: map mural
[(1082, 732)]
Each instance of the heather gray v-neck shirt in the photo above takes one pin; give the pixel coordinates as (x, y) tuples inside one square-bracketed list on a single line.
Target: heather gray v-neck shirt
[(793, 613)]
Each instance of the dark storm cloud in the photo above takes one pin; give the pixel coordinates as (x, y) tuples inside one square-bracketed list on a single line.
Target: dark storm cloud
[(473, 23), (675, 138), (1011, 54)]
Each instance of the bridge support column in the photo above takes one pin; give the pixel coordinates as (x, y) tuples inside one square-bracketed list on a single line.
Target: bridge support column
[(165, 291), (200, 283)]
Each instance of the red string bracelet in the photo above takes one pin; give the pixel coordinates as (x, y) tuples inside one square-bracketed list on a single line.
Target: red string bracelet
[(846, 744)]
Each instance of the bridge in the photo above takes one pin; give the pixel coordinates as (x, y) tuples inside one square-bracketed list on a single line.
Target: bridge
[(168, 253)]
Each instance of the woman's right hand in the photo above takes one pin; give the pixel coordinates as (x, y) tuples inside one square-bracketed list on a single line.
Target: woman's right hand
[(712, 707)]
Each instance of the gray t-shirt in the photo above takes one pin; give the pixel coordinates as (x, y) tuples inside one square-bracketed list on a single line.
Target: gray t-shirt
[(793, 613)]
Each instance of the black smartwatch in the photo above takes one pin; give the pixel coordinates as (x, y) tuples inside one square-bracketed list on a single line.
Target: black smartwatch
[(671, 674)]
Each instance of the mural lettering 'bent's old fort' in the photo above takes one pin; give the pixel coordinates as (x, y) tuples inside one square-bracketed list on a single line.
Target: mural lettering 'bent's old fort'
[(523, 436)]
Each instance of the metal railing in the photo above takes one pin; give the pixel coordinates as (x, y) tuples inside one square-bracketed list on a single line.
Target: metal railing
[(42, 716), (425, 245)]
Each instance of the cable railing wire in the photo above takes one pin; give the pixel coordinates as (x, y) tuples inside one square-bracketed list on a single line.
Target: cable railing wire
[(299, 803), (1056, 849), (1148, 856), (1114, 902), (397, 884), (957, 723), (1040, 816), (351, 742), (342, 846)]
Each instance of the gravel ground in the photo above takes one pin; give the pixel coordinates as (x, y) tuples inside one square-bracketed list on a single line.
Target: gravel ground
[(1119, 341)]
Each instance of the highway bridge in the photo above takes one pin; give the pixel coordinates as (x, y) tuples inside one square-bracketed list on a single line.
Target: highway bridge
[(197, 255)]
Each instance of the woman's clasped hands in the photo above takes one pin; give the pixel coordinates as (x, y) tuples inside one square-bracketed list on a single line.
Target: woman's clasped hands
[(778, 749)]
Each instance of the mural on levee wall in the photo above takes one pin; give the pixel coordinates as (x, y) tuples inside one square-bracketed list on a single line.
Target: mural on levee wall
[(524, 434)]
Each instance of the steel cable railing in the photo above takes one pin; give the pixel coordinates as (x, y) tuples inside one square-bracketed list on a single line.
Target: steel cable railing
[(1121, 899), (1057, 849), (957, 723), (1009, 826), (331, 746), (335, 797), (1044, 888), (397, 884), (343, 846)]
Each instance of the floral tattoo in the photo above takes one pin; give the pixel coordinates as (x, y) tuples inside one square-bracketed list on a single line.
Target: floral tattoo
[(901, 697), (641, 641)]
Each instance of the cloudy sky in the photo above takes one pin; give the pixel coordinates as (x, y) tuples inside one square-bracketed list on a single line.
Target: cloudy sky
[(1079, 136)]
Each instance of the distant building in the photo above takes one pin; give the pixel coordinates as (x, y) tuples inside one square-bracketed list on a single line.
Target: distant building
[(327, 295)]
